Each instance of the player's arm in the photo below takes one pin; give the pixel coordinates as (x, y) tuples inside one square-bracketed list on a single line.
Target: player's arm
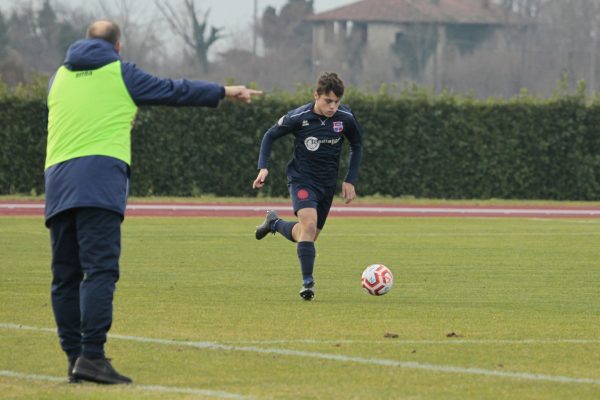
[(355, 139), (281, 128)]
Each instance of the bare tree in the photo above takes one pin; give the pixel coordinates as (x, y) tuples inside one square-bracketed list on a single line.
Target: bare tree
[(574, 27), (191, 29), (142, 43), (3, 35), (288, 28), (12, 70), (40, 36), (561, 41), (287, 37)]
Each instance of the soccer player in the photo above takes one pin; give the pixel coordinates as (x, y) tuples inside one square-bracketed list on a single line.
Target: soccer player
[(319, 129)]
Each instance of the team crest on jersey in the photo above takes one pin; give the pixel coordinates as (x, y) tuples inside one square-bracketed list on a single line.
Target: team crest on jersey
[(338, 126)]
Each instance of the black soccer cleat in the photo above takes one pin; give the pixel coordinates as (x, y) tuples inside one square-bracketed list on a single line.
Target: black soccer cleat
[(308, 290), (70, 377), (266, 227), (98, 370)]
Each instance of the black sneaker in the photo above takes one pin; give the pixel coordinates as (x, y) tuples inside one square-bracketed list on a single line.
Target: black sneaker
[(266, 227), (97, 370), (308, 290), (70, 377)]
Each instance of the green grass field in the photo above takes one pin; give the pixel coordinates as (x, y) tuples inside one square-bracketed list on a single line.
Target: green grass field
[(203, 310)]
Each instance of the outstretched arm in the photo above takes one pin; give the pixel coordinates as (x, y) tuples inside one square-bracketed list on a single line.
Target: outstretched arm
[(147, 89)]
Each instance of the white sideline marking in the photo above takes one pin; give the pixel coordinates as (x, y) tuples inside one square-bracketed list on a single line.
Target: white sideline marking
[(31, 377), (150, 388), (349, 210), (346, 341), (341, 358), (404, 342)]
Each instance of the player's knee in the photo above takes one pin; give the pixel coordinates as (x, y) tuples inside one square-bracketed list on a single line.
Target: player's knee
[(309, 229)]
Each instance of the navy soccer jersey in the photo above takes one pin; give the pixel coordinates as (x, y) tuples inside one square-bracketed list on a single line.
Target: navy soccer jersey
[(318, 144)]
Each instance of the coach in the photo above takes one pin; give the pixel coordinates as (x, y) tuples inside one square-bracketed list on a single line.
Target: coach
[(92, 103)]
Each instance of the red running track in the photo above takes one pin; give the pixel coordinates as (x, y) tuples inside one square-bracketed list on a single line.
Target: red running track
[(36, 208)]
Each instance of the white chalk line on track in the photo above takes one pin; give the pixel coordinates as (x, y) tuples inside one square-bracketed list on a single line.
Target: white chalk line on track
[(341, 358), (376, 210), (348, 210), (148, 388)]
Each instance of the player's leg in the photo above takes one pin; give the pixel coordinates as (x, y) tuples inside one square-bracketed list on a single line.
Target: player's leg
[(273, 224), (301, 197), (297, 229), (317, 234), (99, 238), (66, 277), (323, 208), (304, 203), (315, 221), (306, 231), (305, 199), (267, 226)]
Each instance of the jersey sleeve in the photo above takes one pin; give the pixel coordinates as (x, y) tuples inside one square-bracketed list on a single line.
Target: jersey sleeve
[(284, 126), (147, 89), (354, 136)]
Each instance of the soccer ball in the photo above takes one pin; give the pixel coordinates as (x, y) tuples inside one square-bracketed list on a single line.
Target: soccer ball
[(377, 279)]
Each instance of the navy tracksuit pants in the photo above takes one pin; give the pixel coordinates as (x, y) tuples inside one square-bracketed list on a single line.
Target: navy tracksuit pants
[(86, 245)]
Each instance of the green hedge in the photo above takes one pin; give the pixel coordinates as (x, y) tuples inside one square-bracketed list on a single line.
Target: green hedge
[(434, 147), (22, 146)]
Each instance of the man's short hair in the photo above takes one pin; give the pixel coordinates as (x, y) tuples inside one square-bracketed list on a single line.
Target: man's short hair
[(330, 82), (104, 29)]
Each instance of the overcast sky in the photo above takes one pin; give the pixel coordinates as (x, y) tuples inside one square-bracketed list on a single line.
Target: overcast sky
[(227, 13), (233, 15)]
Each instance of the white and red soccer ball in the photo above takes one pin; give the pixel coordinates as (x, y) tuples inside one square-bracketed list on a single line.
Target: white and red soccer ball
[(377, 279)]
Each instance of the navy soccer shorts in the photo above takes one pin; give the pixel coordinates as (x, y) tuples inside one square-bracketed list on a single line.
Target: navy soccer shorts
[(312, 196)]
